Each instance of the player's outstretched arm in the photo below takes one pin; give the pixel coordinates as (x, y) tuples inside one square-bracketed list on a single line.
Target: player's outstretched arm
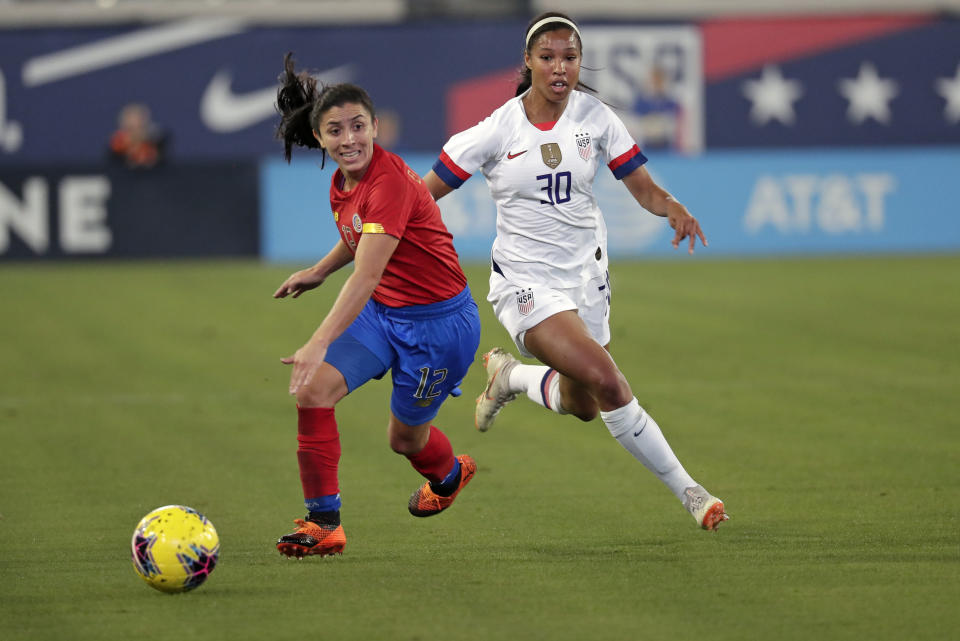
[(373, 253), (657, 201), (306, 279)]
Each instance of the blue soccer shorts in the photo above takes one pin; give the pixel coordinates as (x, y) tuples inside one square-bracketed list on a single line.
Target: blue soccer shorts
[(427, 348)]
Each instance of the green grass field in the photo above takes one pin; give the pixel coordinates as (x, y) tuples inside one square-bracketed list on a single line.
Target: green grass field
[(818, 397)]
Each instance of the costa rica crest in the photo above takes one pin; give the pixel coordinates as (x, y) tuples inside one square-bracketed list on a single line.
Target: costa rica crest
[(357, 223)]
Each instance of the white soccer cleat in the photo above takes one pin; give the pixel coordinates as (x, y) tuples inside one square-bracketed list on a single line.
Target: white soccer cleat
[(498, 364), (705, 508)]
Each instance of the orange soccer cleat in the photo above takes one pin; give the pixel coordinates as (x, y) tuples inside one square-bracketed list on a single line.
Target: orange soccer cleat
[(426, 502), (705, 508), (312, 538)]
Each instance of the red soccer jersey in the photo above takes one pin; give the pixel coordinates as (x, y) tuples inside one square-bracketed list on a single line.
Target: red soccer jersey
[(392, 199)]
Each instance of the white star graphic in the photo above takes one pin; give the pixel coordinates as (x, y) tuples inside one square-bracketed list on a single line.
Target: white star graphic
[(772, 97), (869, 95), (949, 88)]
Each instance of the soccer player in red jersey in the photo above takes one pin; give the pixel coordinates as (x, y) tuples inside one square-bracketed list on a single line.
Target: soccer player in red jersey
[(406, 308)]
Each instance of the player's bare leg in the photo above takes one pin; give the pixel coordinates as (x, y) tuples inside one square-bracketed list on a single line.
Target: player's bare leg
[(563, 343)]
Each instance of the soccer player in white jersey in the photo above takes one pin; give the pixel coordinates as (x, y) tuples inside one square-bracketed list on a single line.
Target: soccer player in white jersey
[(549, 283)]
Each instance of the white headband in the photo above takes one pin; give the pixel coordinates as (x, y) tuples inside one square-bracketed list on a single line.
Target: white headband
[(539, 24)]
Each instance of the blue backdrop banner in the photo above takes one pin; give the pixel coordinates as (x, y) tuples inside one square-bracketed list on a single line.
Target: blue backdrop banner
[(211, 82), (749, 203)]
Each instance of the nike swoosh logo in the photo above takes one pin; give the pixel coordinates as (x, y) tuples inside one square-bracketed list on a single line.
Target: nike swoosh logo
[(512, 156), (224, 111), (486, 392), (640, 431)]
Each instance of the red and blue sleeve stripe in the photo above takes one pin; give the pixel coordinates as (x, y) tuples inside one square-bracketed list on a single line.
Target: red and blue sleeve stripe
[(448, 171), (623, 164)]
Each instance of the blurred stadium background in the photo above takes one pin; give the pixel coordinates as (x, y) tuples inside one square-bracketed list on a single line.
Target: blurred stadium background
[(803, 127)]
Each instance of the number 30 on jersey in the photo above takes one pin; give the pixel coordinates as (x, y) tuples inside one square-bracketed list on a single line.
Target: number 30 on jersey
[(554, 185)]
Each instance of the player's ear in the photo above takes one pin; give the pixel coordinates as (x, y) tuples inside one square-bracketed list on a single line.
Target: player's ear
[(376, 123), (319, 139)]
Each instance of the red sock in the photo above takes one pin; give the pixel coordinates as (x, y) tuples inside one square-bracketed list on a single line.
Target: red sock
[(319, 451), (435, 460)]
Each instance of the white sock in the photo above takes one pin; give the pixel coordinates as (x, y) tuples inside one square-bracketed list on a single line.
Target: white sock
[(540, 383), (640, 435)]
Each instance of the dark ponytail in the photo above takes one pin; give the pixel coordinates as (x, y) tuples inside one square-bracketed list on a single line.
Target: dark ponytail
[(295, 100), (302, 103), (526, 79)]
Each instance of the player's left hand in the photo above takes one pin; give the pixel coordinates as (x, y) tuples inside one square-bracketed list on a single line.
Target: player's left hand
[(684, 224), (306, 361)]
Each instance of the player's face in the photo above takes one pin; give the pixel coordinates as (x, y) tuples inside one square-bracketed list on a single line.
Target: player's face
[(554, 62), (346, 133)]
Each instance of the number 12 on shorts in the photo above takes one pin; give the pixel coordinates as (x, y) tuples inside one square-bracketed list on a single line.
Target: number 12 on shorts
[(556, 182), (439, 375)]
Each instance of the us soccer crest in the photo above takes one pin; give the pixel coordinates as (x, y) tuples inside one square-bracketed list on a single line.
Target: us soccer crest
[(525, 301), (583, 145), (551, 154)]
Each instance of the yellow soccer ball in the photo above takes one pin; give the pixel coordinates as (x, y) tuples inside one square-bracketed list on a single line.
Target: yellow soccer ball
[(175, 548)]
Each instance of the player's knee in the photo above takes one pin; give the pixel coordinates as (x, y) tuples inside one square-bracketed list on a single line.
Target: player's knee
[(404, 443), (611, 389), (323, 390), (315, 396)]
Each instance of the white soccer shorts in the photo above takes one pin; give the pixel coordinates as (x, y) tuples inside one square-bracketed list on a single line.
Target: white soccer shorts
[(520, 308)]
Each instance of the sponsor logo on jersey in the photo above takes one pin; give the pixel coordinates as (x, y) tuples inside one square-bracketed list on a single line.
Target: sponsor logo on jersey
[(512, 156), (551, 154), (525, 301), (357, 223), (583, 145)]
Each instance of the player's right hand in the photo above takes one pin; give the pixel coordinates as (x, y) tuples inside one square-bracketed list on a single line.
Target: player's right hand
[(306, 361)]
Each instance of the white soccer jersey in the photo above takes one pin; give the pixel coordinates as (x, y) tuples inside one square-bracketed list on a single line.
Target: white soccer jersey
[(549, 228)]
